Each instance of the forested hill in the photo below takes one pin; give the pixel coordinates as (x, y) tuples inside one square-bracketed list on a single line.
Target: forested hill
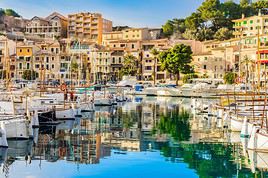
[(8, 12), (212, 20)]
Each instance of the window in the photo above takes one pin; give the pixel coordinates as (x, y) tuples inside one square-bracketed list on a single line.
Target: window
[(113, 60), (119, 60), (47, 59), (52, 58), (258, 21), (52, 66), (206, 58), (132, 46), (205, 67), (28, 65), (28, 50), (37, 66), (20, 50), (148, 67), (251, 22), (245, 22)]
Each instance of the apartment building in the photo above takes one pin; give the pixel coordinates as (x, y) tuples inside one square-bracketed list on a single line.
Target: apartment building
[(150, 63), (251, 26), (108, 37), (217, 62), (136, 34), (53, 26), (7, 56), (46, 61), (25, 58), (88, 26), (100, 59)]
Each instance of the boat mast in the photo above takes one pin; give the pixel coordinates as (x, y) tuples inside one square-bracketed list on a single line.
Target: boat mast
[(258, 60)]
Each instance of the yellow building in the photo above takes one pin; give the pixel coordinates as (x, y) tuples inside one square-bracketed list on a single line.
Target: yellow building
[(136, 34), (248, 26), (47, 61), (108, 37), (24, 53), (88, 26), (7, 52)]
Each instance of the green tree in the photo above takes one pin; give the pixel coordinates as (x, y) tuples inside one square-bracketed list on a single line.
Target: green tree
[(247, 62), (177, 60), (174, 27), (260, 5), (189, 34), (229, 78), (187, 77), (29, 75), (74, 68), (204, 34), (244, 3), (230, 11), (211, 13), (223, 34), (194, 21), (168, 28), (129, 65), (11, 12), (177, 125)]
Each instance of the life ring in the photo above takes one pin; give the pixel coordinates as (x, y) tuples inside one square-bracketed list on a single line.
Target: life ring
[(63, 87)]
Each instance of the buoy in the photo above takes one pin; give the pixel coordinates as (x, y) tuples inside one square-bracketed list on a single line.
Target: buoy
[(3, 138)]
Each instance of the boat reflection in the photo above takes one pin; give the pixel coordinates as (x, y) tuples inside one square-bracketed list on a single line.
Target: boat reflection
[(152, 125)]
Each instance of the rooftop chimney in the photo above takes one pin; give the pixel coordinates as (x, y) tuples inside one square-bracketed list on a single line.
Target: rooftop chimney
[(259, 13)]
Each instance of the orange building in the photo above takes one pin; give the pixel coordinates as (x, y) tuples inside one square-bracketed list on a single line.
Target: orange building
[(88, 26)]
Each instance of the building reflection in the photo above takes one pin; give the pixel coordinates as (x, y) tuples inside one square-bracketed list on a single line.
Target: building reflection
[(153, 125)]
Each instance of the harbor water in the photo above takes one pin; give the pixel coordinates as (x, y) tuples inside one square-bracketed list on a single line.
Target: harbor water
[(155, 137)]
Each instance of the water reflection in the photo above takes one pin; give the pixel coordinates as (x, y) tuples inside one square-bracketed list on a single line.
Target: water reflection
[(166, 127)]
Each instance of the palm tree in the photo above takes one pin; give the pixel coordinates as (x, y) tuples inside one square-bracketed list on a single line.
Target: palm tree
[(74, 69), (129, 65), (155, 53), (247, 62)]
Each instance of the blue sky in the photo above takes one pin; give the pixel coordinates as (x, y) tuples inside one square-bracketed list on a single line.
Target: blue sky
[(135, 13)]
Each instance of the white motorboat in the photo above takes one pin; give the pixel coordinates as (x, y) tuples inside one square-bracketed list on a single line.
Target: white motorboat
[(259, 139), (17, 127)]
